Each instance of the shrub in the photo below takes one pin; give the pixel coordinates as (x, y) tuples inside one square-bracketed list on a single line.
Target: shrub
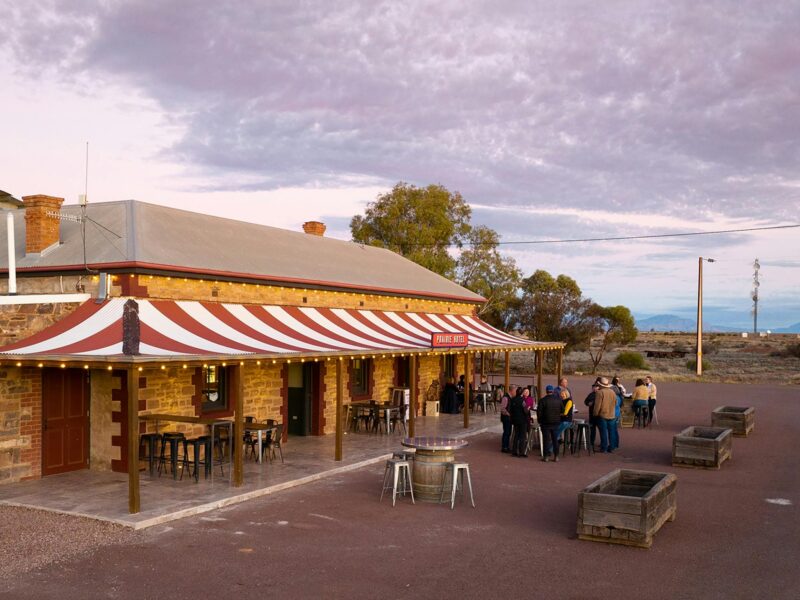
[(630, 360), (711, 347), (680, 347), (692, 365), (792, 350)]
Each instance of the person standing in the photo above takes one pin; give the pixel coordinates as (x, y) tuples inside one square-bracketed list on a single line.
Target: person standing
[(605, 401), (640, 395), (520, 417), (563, 386), (651, 398), (548, 413), (566, 414), (450, 397), (617, 388), (505, 418), (589, 402)]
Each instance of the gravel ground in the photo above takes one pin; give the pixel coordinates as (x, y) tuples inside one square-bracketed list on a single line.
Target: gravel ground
[(31, 539)]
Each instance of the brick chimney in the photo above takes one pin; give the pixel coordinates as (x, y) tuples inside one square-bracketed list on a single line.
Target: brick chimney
[(314, 228), (41, 230)]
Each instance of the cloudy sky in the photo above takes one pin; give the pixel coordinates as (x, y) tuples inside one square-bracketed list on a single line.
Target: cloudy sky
[(554, 120)]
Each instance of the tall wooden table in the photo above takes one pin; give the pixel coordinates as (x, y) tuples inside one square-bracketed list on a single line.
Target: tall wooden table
[(430, 461)]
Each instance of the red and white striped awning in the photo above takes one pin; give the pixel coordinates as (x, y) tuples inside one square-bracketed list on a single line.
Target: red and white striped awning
[(207, 329)]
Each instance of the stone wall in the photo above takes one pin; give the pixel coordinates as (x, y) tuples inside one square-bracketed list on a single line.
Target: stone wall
[(20, 321), (101, 428), (20, 424)]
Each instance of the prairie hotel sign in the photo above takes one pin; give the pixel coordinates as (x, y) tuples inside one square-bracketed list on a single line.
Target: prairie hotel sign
[(449, 340)]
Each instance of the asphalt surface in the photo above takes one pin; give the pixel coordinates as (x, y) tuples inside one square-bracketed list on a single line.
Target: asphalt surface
[(737, 533)]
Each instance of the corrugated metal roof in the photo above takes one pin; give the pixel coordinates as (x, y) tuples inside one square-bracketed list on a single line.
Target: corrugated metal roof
[(161, 237)]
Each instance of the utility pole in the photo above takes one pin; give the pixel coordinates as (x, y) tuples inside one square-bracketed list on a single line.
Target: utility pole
[(700, 313), (754, 295)]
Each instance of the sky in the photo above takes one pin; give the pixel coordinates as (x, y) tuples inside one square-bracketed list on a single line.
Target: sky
[(554, 120)]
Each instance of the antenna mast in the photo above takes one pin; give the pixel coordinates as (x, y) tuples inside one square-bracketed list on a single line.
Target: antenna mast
[(754, 295)]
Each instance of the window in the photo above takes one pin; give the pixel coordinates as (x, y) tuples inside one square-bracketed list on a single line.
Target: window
[(214, 382), (360, 375)]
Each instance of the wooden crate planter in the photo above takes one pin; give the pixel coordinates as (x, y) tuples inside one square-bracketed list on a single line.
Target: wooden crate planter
[(626, 507), (740, 419), (703, 447)]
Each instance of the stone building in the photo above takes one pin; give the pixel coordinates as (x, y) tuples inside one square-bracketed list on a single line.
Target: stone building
[(119, 310)]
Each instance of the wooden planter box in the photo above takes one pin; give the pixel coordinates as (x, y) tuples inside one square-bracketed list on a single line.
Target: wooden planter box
[(704, 447), (626, 507), (741, 419)]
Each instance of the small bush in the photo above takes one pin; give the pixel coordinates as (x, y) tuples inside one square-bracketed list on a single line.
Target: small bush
[(711, 347), (692, 365), (680, 347), (630, 360), (792, 350)]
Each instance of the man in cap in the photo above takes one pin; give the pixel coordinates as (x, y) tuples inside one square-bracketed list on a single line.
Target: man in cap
[(605, 403), (548, 413)]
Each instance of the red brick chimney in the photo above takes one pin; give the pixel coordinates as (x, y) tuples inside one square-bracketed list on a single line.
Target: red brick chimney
[(41, 229), (314, 228)]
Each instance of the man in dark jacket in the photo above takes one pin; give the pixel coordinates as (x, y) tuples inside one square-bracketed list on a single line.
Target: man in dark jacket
[(548, 413), (505, 417), (519, 419)]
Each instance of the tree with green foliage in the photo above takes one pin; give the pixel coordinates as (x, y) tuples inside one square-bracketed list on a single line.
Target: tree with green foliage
[(554, 309), (481, 268), (615, 324), (418, 223)]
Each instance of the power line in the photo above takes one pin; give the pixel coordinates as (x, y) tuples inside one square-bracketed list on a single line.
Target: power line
[(646, 237)]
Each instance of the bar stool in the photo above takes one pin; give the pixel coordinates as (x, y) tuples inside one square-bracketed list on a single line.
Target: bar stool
[(454, 470), (172, 438), (400, 473), (536, 430), (149, 441), (582, 429), (407, 455), (203, 441)]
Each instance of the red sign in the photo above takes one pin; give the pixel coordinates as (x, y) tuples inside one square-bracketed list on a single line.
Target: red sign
[(449, 340)]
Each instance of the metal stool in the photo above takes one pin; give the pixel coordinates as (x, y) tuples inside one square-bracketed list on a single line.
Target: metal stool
[(454, 470), (203, 441), (536, 430), (400, 472), (582, 436), (172, 438), (150, 442), (404, 455)]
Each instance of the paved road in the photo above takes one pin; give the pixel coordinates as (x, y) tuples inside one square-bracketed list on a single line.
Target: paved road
[(333, 539)]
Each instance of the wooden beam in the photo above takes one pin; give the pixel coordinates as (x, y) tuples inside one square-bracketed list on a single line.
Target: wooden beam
[(133, 440), (508, 371), (467, 380), (560, 363), (238, 429), (339, 409), (539, 372), (412, 409)]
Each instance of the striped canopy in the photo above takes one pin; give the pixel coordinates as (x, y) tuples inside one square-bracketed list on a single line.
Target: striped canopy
[(186, 329)]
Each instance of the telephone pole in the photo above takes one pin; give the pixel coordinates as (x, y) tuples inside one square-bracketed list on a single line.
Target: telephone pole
[(754, 295), (700, 313)]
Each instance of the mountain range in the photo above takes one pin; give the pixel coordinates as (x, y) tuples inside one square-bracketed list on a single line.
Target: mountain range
[(676, 323)]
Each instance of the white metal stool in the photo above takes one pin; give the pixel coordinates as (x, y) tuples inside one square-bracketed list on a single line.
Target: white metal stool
[(536, 430), (400, 473), (454, 470)]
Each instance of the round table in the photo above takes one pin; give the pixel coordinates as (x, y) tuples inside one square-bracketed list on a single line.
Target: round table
[(431, 457)]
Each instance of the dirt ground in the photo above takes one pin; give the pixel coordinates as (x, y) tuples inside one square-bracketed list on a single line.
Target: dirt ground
[(737, 532), (730, 357)]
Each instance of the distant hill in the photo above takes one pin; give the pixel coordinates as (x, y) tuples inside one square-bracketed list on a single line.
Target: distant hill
[(676, 323), (790, 329)]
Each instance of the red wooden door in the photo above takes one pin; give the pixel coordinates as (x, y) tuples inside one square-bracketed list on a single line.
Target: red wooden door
[(65, 420)]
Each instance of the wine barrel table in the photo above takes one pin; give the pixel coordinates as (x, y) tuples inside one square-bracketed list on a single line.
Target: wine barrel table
[(431, 457)]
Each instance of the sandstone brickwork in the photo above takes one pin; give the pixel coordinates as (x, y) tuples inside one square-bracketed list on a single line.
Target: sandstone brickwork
[(20, 321), (20, 424)]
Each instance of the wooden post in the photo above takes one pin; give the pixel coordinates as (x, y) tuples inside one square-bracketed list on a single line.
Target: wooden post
[(467, 380), (508, 371), (339, 408), (238, 429), (539, 371), (560, 363), (412, 409), (133, 439)]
